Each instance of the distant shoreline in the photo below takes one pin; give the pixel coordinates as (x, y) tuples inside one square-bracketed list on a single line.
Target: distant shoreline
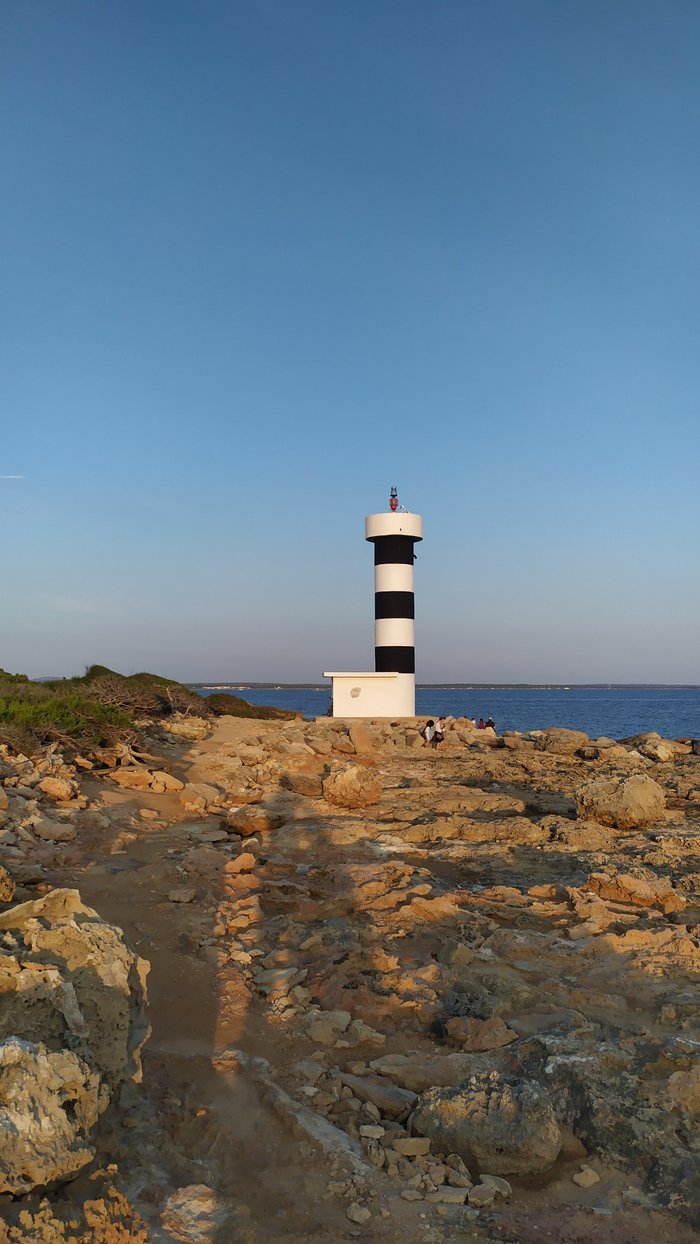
[(241, 685)]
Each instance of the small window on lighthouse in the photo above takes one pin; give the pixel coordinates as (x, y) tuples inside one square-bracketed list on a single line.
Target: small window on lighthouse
[(355, 692)]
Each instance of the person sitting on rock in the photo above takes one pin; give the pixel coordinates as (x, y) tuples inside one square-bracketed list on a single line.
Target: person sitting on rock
[(490, 723), (439, 736), (482, 724), (428, 732)]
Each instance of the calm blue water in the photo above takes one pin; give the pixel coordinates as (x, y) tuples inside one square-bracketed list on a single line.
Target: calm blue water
[(616, 711)]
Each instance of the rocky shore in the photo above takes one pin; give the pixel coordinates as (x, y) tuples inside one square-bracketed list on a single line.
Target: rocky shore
[(396, 993)]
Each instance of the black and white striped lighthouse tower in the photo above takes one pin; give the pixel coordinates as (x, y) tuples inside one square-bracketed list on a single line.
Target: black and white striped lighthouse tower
[(393, 535)]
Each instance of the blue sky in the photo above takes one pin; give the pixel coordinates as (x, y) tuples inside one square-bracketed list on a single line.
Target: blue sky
[(262, 260)]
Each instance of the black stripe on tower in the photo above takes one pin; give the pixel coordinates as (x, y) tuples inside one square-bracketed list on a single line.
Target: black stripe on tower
[(395, 660), (394, 605), (393, 550)]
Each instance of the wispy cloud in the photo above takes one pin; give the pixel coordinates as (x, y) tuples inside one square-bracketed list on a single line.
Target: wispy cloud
[(13, 477)]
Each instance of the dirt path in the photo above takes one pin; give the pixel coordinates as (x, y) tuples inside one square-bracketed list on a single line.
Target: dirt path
[(200, 1118)]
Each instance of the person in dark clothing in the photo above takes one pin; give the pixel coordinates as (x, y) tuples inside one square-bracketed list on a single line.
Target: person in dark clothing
[(490, 723), (482, 724)]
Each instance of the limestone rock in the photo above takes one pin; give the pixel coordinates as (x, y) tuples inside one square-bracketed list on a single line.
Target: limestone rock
[(684, 1091), (54, 831), (162, 782), (325, 1027), (253, 819), (186, 727), (199, 796), (243, 863), (358, 1213), (586, 1177), (639, 891), (58, 788), (68, 979), (361, 739), (49, 1105), (7, 886), (322, 747), (181, 894), (417, 1072), (480, 1034), (195, 1214), (504, 1128), (308, 784), (561, 742), (624, 803), (352, 788), (391, 1101), (132, 777), (412, 1146)]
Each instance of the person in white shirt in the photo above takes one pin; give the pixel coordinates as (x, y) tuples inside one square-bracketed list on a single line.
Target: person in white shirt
[(428, 732)]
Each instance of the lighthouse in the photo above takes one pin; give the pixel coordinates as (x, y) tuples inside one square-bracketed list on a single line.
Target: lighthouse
[(391, 690)]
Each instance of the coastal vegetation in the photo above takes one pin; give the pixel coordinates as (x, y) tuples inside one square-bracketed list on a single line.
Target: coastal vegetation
[(222, 704), (101, 707)]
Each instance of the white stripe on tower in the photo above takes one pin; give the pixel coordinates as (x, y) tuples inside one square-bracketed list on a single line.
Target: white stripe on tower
[(389, 578)]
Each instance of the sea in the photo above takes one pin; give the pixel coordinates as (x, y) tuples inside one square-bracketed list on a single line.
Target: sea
[(615, 711)]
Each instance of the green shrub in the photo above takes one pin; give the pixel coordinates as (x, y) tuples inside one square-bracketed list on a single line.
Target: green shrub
[(224, 704), (68, 716)]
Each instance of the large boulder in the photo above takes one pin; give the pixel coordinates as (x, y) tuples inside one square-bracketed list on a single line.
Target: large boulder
[(493, 1125), (69, 980), (624, 803), (49, 1105), (352, 788), (72, 1024), (560, 741)]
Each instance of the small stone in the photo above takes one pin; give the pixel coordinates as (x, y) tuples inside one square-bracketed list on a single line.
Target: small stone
[(411, 1194), (184, 894), (326, 1026), (371, 1130), (481, 1195), (448, 1196), (243, 863), (586, 1177), (358, 1213), (459, 1179), (411, 1146), (276, 978), (500, 1186)]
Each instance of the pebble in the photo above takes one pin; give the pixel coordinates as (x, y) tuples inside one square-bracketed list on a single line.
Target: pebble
[(411, 1194), (481, 1195), (371, 1130), (182, 895), (358, 1213), (586, 1177), (501, 1186)]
